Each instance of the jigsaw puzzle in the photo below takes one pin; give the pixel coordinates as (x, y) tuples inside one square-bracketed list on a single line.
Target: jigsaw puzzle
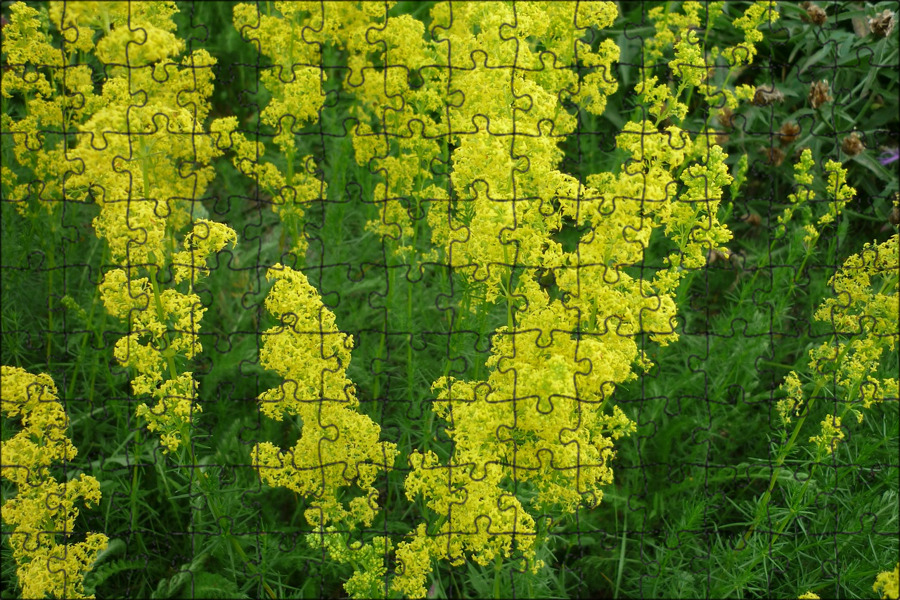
[(450, 299)]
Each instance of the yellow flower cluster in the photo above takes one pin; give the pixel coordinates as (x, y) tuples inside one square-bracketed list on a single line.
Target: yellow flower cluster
[(505, 176), (139, 149), (399, 131), (44, 509), (369, 579), (694, 65), (837, 192), (136, 146), (831, 434), (863, 314), (865, 309), (802, 198), (162, 325), (338, 446), (477, 518), (451, 115), (887, 584), (792, 402), (759, 13), (58, 97), (140, 163), (520, 427), (205, 239), (537, 422), (292, 42), (670, 26)]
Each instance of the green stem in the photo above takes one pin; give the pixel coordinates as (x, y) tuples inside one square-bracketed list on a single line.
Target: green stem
[(775, 364), (859, 215), (51, 266), (161, 315), (779, 461), (135, 480), (497, 570), (783, 453), (289, 218), (797, 505), (382, 342), (203, 483), (409, 352), (455, 325), (690, 93), (479, 363), (664, 114), (846, 407), (90, 326), (201, 480), (107, 375), (809, 251)]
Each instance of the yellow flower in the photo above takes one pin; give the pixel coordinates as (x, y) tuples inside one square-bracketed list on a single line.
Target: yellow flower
[(44, 508), (831, 434), (206, 238), (791, 403), (414, 563), (689, 64), (759, 13), (863, 314), (886, 584), (296, 87), (338, 446), (369, 574), (175, 407)]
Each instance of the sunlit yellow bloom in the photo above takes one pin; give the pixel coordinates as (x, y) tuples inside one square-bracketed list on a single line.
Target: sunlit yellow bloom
[(886, 584), (339, 447), (44, 509)]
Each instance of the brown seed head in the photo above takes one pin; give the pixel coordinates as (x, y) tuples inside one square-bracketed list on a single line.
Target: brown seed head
[(815, 14), (774, 156), (725, 117), (789, 133), (882, 25), (852, 145), (818, 93), (713, 255), (766, 95), (752, 219)]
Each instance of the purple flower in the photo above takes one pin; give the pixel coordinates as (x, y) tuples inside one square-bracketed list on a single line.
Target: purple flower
[(889, 156)]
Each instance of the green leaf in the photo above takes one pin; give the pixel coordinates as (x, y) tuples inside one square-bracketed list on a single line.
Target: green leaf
[(99, 575), (212, 585), (865, 159), (816, 58)]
